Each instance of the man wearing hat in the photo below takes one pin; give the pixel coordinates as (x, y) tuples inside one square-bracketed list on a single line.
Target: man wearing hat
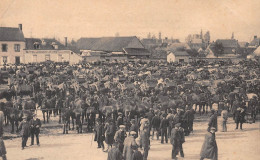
[(213, 120), (35, 125), (239, 115), (209, 148), (120, 120), (128, 144), (120, 137), (25, 131)]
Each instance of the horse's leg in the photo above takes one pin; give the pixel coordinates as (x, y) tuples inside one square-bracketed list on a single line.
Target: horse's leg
[(48, 114), (69, 123), (72, 123), (59, 118), (16, 123), (200, 106), (64, 127)]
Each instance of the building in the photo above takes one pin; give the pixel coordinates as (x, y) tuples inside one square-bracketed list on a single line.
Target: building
[(41, 50), (230, 46), (12, 44), (255, 54), (255, 42), (112, 48), (178, 56)]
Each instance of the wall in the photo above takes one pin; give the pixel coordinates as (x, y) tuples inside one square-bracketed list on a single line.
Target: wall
[(55, 55), (186, 58), (11, 54)]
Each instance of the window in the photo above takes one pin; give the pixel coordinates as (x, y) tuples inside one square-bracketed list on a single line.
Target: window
[(17, 47), (36, 45), (4, 47), (5, 59), (47, 57), (181, 60)]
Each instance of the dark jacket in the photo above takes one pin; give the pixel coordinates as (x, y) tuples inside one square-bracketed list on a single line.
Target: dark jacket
[(110, 133), (213, 122), (35, 125), (134, 127), (120, 136), (156, 121), (114, 154), (164, 123), (137, 155), (209, 148), (24, 128), (99, 133)]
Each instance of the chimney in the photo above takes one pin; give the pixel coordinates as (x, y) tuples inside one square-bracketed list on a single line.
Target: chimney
[(255, 37), (20, 26), (66, 41)]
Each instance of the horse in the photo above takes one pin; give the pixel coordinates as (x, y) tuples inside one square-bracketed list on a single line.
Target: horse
[(47, 106)]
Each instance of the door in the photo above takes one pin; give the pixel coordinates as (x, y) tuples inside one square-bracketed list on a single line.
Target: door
[(17, 60)]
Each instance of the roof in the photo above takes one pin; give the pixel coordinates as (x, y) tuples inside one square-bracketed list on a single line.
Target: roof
[(181, 53), (228, 43), (137, 51), (47, 46), (109, 44), (11, 34), (243, 44), (257, 52), (255, 42)]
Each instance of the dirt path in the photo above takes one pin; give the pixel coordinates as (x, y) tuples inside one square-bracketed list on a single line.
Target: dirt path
[(232, 145)]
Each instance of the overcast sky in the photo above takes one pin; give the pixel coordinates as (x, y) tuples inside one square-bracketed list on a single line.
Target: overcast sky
[(96, 18)]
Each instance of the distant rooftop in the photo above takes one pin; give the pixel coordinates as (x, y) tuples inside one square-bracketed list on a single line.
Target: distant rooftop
[(11, 34)]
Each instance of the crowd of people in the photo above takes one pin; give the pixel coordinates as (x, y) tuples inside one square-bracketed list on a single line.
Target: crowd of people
[(126, 102)]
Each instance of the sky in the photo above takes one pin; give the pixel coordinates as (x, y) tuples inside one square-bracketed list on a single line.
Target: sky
[(101, 18)]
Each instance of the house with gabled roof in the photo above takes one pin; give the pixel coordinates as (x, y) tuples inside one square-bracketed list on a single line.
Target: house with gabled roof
[(113, 47), (178, 56), (255, 42), (12, 44)]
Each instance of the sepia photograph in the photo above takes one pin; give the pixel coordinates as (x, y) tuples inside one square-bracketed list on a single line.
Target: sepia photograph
[(129, 79)]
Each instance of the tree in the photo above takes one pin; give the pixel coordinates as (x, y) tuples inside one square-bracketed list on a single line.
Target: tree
[(218, 49), (193, 52), (207, 37), (188, 38)]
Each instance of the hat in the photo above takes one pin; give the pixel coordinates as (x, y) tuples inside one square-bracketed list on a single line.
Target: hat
[(122, 126), (213, 128), (178, 125), (24, 117), (119, 113), (132, 133)]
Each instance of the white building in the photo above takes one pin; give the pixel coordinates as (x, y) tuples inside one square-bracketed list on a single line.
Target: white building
[(12, 44), (178, 56), (41, 50)]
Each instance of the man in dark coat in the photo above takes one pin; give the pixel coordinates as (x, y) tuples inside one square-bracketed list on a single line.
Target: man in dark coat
[(175, 140), (114, 153), (137, 155), (120, 137), (35, 125), (156, 121), (145, 141), (186, 120), (110, 133), (25, 131), (209, 148), (99, 134), (120, 120), (213, 121), (163, 126), (239, 115)]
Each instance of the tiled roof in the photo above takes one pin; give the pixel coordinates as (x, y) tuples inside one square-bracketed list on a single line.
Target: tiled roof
[(109, 44), (176, 46), (44, 44), (11, 34), (228, 43), (137, 51)]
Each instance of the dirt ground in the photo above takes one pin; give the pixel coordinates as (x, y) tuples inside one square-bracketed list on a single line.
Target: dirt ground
[(232, 145)]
